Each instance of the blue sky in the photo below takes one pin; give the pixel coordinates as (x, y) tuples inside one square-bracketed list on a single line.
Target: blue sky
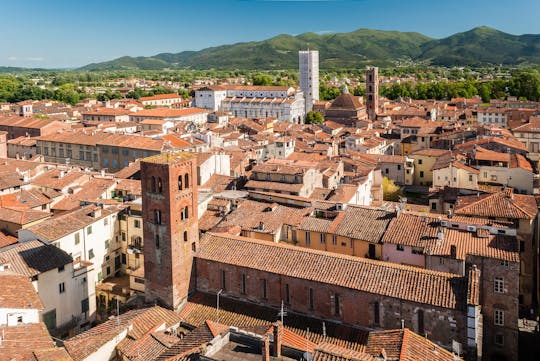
[(72, 33)]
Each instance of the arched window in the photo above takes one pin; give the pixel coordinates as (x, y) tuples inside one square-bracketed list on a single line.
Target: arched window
[(157, 241), (185, 236), (157, 216), (186, 181), (153, 185), (186, 213), (182, 214), (160, 186), (179, 182)]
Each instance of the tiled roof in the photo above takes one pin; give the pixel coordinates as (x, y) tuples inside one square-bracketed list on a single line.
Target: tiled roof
[(167, 112), (24, 199), (201, 307), (329, 352), (382, 278), (18, 292), (421, 230), (26, 343), (274, 186), (405, 345), (33, 257), (503, 204), (364, 223), (22, 216), (66, 223), (139, 322), (55, 180)]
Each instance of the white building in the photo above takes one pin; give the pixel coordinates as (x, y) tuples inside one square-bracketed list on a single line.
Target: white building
[(492, 116), (161, 100), (309, 76), (282, 102), (88, 234), (209, 164), (19, 302), (65, 289)]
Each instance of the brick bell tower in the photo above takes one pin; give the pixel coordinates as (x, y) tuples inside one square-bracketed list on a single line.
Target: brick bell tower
[(171, 234)]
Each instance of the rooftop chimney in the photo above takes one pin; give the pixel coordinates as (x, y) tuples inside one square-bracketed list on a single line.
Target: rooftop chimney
[(278, 338), (265, 349)]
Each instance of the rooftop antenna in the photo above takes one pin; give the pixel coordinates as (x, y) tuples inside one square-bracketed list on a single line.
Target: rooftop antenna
[(282, 313)]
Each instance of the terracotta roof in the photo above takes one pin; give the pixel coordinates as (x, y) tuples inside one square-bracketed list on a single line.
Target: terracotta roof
[(18, 292), (346, 101), (27, 343), (329, 352), (138, 322), (202, 307), (22, 216), (67, 223), (168, 113), (33, 257), (405, 345), (401, 282), (421, 230), (160, 97), (364, 223), (503, 204)]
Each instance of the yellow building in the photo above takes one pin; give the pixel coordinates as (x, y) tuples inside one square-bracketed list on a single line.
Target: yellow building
[(424, 160)]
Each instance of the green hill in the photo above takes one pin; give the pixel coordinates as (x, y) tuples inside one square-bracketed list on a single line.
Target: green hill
[(481, 45)]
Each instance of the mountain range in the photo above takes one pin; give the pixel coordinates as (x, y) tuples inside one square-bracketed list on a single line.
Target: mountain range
[(479, 46)]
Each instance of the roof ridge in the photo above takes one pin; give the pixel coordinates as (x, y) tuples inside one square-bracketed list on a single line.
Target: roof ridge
[(404, 344), (381, 264)]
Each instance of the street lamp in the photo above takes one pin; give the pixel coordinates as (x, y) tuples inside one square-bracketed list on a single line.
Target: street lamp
[(217, 304)]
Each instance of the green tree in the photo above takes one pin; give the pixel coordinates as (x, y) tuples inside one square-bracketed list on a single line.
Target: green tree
[(262, 79), (391, 191), (314, 118)]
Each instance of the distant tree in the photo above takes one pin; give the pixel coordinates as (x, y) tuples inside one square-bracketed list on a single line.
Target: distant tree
[(184, 93), (262, 79), (314, 118), (328, 92), (391, 191)]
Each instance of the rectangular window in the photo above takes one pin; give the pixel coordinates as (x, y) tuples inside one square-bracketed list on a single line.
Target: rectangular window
[(521, 246), (61, 269), (91, 254), (85, 306), (323, 241), (264, 295), (308, 241), (89, 230), (137, 223), (337, 305), (106, 221), (420, 315), (61, 287), (243, 283), (77, 238), (376, 313), (107, 243), (311, 299), (421, 174), (499, 339), (400, 247), (419, 161), (498, 317), (223, 280), (499, 285), (433, 206), (334, 239), (124, 258), (123, 236), (287, 294), (99, 276)]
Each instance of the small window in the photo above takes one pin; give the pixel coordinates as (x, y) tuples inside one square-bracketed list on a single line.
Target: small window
[(419, 161), (244, 283), (89, 230), (223, 280), (107, 243), (61, 269), (337, 306), (400, 247), (311, 299), (264, 290), (322, 238), (106, 221), (137, 223), (61, 287), (186, 180), (91, 253), (499, 339), (521, 246), (77, 238), (421, 174), (287, 294), (157, 241), (499, 285), (334, 239), (376, 313), (498, 317), (308, 241), (185, 236)]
